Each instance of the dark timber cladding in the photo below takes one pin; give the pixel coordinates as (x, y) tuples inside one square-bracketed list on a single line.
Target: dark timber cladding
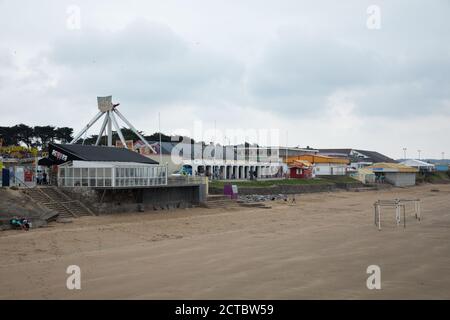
[(61, 153)]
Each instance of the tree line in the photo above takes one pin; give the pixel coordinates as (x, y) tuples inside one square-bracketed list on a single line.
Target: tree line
[(40, 136), (34, 137)]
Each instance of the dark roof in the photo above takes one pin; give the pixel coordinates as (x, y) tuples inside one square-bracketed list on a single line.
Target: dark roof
[(343, 152), (376, 156), (98, 153), (372, 156), (181, 147), (46, 162), (166, 146)]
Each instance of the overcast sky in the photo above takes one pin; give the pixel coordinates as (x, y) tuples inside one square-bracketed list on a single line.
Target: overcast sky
[(327, 74)]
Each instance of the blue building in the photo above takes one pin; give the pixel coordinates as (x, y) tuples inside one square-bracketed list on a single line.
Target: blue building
[(441, 167)]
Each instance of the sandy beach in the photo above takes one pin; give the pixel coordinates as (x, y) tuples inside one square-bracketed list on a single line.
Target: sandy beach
[(318, 248)]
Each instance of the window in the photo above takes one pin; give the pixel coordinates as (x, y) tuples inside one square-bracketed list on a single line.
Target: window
[(84, 177), (77, 177), (100, 177), (92, 177), (137, 176)]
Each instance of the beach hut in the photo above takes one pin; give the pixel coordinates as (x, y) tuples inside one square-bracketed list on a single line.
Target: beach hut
[(395, 173), (300, 169), (365, 176)]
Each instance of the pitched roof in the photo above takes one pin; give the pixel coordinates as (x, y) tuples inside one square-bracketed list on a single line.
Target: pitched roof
[(299, 164), (167, 147), (370, 156), (365, 171), (336, 152), (391, 167), (417, 163), (98, 153), (315, 158), (376, 156)]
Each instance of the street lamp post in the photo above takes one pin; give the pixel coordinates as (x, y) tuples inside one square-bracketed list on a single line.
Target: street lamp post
[(404, 153), (418, 151)]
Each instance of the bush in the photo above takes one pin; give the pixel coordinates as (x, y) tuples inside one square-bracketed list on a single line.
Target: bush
[(435, 177)]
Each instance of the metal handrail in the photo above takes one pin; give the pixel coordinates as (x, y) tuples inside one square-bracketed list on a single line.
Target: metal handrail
[(22, 182)]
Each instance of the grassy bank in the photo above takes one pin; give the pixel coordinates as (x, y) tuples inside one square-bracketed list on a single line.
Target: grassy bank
[(269, 183), (434, 177)]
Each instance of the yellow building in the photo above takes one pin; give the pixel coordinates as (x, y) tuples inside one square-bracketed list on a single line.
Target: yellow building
[(395, 173)]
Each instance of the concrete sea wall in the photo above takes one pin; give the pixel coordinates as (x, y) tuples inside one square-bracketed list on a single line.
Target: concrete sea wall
[(290, 189), (104, 201)]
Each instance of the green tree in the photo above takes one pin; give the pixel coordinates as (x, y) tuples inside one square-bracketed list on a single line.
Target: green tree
[(164, 138), (45, 134), (64, 134), (9, 136), (24, 134)]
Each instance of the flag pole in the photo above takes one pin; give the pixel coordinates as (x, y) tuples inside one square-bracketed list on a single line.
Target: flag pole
[(160, 143)]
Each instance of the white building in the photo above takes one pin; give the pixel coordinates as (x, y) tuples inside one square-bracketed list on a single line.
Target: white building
[(419, 165), (111, 174), (219, 162)]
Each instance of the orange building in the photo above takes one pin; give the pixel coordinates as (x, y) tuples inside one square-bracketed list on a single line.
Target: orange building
[(323, 165)]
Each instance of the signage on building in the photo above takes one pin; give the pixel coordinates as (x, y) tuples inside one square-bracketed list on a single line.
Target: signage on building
[(28, 175), (156, 147), (105, 103), (129, 144), (59, 155)]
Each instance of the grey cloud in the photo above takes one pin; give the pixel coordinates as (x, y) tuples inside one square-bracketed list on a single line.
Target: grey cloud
[(145, 64), (297, 74), (400, 69), (300, 72), (7, 67)]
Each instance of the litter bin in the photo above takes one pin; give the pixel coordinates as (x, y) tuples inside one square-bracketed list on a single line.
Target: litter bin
[(5, 177)]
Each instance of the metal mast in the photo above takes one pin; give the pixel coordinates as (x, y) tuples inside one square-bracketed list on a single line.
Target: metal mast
[(107, 109)]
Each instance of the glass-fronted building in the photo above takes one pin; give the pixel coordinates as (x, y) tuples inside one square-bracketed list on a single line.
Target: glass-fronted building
[(110, 174)]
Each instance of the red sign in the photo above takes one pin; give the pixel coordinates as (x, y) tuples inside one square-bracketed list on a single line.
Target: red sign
[(28, 175)]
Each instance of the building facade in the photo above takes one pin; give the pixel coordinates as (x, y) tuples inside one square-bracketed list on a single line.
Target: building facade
[(323, 165), (219, 162), (396, 174)]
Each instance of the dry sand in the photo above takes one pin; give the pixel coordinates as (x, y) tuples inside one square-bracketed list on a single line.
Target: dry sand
[(318, 248)]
